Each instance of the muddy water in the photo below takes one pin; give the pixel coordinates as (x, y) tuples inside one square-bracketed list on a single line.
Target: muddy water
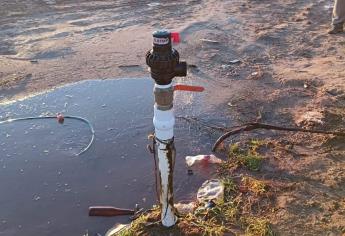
[(46, 189)]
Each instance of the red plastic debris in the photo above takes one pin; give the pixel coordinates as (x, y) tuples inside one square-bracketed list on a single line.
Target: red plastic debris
[(202, 159), (60, 118), (206, 160), (175, 37)]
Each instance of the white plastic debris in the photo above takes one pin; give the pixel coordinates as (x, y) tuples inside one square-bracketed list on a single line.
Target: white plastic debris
[(116, 229), (234, 61), (37, 198), (185, 208), (209, 41), (230, 104), (210, 190), (202, 159)]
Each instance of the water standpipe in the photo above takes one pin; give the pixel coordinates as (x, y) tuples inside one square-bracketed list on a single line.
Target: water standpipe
[(164, 64)]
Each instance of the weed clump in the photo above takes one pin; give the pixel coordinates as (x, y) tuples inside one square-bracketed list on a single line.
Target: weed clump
[(237, 212), (249, 157), (245, 198), (252, 162)]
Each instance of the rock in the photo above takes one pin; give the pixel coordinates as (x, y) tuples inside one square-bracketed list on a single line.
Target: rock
[(60, 118), (211, 190), (185, 208)]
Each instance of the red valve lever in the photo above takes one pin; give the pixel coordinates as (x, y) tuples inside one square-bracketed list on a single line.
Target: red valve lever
[(175, 37), (183, 87)]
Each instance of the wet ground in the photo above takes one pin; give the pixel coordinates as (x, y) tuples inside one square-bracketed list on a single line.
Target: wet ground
[(46, 189)]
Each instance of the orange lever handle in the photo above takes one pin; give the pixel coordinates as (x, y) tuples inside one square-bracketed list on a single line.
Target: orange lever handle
[(183, 87)]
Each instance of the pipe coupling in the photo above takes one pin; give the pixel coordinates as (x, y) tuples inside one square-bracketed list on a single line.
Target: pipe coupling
[(164, 98)]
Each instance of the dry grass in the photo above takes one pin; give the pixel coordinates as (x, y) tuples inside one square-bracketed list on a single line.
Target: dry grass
[(256, 186), (257, 227)]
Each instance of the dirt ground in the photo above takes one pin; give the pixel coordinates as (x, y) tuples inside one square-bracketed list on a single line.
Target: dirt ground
[(291, 72)]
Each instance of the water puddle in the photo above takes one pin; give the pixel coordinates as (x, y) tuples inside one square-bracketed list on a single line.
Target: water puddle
[(46, 189)]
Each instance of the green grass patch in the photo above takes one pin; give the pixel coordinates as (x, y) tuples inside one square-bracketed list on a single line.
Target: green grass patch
[(249, 157), (252, 162)]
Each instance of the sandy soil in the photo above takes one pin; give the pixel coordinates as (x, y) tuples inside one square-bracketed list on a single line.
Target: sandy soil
[(291, 73)]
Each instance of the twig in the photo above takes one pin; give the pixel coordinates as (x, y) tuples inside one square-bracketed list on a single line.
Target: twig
[(209, 41), (254, 126), (128, 66), (32, 60)]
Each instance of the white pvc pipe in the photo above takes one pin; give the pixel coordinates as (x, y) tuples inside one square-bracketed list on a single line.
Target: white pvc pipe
[(165, 165), (164, 122)]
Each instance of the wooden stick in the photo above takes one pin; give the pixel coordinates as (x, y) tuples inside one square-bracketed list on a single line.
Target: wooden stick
[(109, 211)]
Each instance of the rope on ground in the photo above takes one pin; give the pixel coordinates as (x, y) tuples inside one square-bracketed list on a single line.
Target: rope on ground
[(54, 117), (254, 126)]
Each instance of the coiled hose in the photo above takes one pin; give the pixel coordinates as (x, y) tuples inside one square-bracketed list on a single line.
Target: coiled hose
[(56, 117)]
